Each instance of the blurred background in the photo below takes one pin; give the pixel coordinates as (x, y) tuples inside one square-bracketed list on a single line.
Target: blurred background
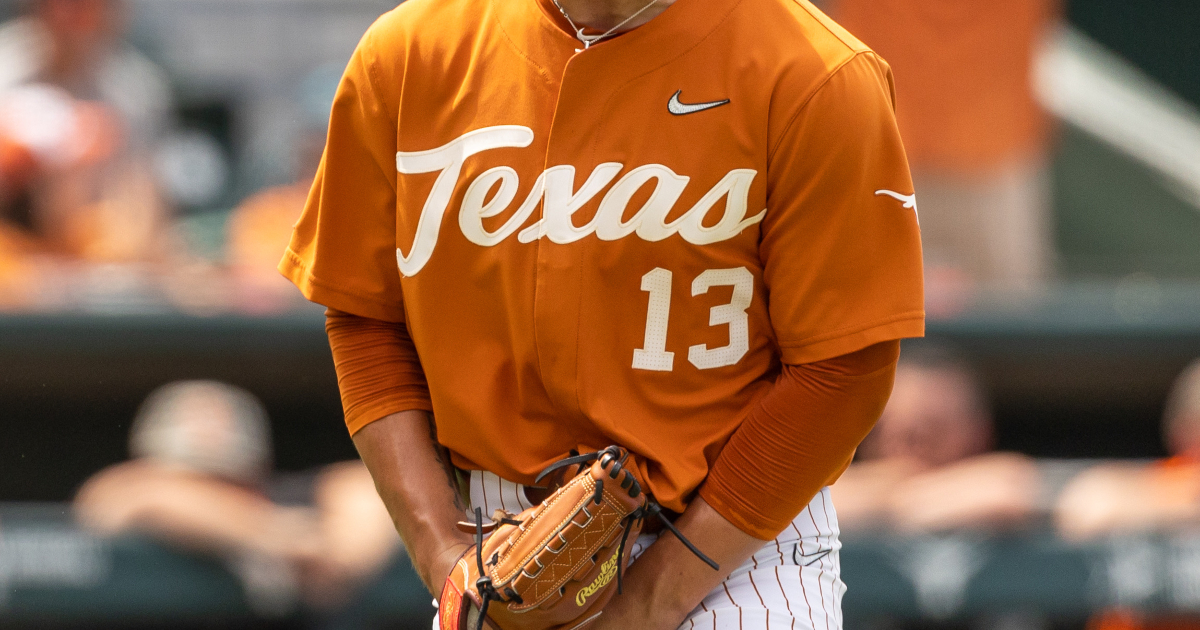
[(173, 449)]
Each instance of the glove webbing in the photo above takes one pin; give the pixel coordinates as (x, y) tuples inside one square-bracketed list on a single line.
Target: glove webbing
[(487, 591), (629, 483)]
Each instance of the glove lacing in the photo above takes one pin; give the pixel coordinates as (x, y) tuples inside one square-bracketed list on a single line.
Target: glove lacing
[(487, 592), (615, 456)]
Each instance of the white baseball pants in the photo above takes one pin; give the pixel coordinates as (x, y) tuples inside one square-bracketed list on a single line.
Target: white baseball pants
[(793, 582)]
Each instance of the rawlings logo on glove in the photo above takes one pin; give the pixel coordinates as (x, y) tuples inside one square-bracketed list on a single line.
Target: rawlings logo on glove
[(552, 566), (607, 572)]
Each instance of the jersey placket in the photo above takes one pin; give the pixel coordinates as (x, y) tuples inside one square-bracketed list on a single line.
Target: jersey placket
[(590, 79), (559, 282)]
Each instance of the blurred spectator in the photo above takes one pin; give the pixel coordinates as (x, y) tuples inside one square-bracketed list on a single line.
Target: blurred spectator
[(1120, 497), (198, 479), (257, 234), (17, 278), (261, 226), (357, 535), (926, 466), (79, 113), (975, 137)]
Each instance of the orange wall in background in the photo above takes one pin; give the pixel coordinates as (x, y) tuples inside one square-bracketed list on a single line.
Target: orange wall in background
[(962, 68)]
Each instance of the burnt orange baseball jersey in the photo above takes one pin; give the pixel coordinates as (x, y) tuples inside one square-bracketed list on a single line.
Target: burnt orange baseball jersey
[(614, 245)]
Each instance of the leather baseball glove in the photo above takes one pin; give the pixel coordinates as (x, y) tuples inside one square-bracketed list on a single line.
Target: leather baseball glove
[(553, 566)]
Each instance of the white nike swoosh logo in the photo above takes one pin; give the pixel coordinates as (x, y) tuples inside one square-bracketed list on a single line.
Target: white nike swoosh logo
[(910, 201), (679, 109)]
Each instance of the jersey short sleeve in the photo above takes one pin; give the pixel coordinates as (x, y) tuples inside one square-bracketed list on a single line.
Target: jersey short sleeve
[(841, 244), (343, 249)]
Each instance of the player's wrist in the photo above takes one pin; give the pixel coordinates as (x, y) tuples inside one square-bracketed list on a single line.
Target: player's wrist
[(667, 582), (652, 597), (436, 566)]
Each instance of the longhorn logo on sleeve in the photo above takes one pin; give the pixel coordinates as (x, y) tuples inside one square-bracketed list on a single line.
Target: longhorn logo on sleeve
[(555, 188)]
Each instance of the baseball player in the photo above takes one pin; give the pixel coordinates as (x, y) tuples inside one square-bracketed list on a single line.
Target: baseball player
[(685, 228)]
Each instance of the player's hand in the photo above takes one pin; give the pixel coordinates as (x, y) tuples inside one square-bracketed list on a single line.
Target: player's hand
[(628, 610), (667, 582)]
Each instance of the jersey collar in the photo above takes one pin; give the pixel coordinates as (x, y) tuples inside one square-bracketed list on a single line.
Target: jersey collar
[(533, 27)]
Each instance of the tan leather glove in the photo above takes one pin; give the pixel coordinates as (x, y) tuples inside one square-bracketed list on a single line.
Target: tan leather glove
[(553, 566)]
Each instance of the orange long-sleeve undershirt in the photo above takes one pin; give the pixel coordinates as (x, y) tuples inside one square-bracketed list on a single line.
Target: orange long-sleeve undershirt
[(377, 366), (797, 439)]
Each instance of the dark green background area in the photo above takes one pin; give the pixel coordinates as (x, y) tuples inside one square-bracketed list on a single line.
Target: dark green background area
[(1116, 217), (1160, 36)]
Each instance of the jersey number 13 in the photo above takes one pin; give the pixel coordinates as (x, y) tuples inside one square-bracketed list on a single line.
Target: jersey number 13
[(653, 354)]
